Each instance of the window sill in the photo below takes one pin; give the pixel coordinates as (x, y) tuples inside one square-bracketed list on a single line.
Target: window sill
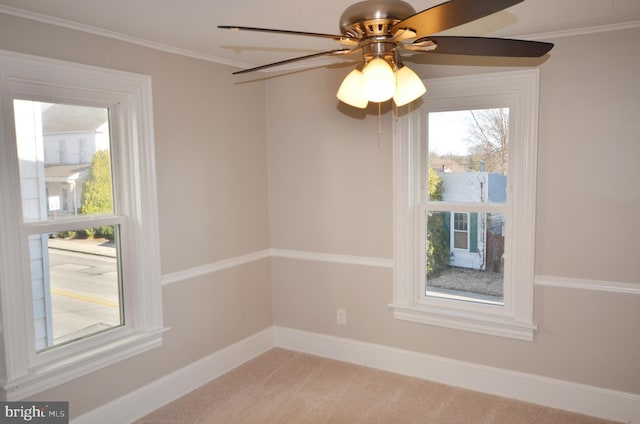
[(465, 320), (54, 373)]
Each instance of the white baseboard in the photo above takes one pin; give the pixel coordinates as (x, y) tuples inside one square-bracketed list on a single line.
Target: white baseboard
[(170, 387), (580, 398), (583, 399)]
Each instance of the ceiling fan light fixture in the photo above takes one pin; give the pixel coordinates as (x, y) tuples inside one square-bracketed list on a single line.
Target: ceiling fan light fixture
[(409, 86), (350, 91), (378, 81)]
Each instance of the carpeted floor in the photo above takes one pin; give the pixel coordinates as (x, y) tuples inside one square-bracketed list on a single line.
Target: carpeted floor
[(281, 387)]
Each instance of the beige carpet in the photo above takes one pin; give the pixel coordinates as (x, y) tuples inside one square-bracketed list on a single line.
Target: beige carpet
[(281, 386)]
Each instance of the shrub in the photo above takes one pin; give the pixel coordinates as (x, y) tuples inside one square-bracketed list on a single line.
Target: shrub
[(97, 197), (437, 237)]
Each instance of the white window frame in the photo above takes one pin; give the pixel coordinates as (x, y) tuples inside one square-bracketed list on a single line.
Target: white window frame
[(24, 371), (517, 90)]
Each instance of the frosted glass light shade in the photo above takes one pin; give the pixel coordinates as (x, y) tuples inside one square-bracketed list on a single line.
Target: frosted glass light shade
[(350, 91), (409, 86), (378, 81)]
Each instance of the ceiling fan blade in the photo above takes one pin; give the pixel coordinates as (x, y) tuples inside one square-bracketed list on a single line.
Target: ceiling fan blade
[(337, 52), (338, 38), (451, 14), (485, 46)]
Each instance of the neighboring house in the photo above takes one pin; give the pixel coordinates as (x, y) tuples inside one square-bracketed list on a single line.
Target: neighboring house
[(447, 164), (64, 185), (71, 136), (476, 239)]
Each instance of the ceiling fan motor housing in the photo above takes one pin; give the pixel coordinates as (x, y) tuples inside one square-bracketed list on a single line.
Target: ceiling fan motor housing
[(373, 18)]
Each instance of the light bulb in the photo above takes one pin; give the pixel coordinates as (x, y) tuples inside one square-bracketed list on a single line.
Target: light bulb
[(409, 86), (350, 91), (378, 81)]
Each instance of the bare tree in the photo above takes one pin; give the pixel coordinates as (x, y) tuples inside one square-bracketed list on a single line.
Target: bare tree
[(489, 138)]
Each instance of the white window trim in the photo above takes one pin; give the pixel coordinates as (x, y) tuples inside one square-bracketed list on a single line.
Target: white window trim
[(25, 372), (519, 90)]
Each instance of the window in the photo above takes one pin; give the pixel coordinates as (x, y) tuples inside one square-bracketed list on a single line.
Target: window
[(82, 145), (62, 151), (79, 253), (75, 259), (464, 202), (460, 230)]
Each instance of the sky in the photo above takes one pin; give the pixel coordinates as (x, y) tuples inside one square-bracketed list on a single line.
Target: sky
[(447, 132)]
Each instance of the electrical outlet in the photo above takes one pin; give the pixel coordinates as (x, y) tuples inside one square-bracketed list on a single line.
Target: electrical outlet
[(342, 317)]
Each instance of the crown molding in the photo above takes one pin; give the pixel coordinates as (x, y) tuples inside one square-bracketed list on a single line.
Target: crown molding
[(223, 61), (581, 31), (90, 29)]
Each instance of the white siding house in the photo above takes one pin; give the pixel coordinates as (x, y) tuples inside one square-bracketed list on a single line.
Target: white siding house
[(476, 239), (71, 136)]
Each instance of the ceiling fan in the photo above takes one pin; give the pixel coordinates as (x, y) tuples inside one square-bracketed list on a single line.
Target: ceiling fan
[(381, 29)]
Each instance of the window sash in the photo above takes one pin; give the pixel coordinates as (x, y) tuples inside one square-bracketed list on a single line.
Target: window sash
[(44, 225), (517, 90), (31, 228), (128, 98), (420, 296), (118, 217)]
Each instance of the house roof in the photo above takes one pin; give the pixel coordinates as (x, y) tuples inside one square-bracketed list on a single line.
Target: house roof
[(58, 118), (447, 164), (66, 172)]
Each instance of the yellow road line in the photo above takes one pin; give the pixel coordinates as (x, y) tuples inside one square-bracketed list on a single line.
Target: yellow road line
[(85, 298)]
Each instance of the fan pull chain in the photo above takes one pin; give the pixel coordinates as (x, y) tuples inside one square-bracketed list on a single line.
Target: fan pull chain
[(379, 118)]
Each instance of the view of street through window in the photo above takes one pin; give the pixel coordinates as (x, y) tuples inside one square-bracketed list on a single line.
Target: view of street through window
[(66, 181), (84, 297)]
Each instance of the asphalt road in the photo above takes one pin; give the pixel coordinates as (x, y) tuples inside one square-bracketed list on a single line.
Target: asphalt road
[(84, 293)]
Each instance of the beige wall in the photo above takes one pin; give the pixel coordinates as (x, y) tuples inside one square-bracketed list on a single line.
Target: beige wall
[(589, 172), (330, 191), (329, 172), (212, 189)]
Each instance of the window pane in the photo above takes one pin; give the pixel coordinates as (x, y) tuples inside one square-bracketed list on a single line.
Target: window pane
[(461, 221), (460, 240), (466, 265), (76, 284), (65, 166), (468, 155)]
